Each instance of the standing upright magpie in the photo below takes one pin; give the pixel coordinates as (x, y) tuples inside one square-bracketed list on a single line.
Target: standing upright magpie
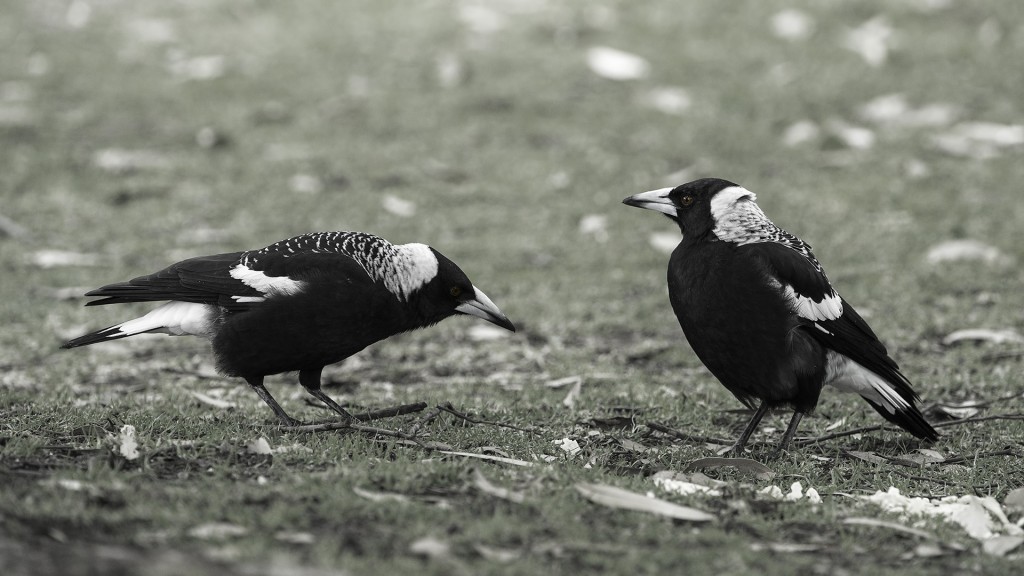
[(757, 309), (298, 304)]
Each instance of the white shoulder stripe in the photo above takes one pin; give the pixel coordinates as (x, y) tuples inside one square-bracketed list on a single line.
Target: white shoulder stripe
[(830, 307), (267, 285)]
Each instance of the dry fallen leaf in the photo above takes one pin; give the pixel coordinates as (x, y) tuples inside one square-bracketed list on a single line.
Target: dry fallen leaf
[(1005, 336), (512, 461), (570, 398), (211, 401), (791, 24), (398, 206), (667, 99), (217, 531), (871, 40), (664, 241), (616, 64), (613, 497), (595, 226), (481, 483), (430, 547), (747, 465), (800, 132), (888, 525), (1001, 545), (380, 496), (964, 250), (259, 446)]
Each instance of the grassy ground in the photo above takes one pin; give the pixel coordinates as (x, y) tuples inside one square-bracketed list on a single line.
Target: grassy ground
[(137, 133)]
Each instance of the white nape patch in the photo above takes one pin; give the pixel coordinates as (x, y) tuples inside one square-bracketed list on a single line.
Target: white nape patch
[(175, 318), (830, 307), (849, 376), (267, 285), (728, 214), (412, 266)]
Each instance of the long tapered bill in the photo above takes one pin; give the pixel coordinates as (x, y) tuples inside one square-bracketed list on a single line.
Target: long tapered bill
[(482, 307)]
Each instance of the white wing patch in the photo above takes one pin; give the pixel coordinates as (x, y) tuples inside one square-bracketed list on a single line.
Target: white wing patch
[(175, 318), (830, 307), (267, 285), (849, 376)]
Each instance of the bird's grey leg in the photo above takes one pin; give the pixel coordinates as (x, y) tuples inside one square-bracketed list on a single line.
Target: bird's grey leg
[(737, 448), (790, 432), (257, 384), (310, 380)]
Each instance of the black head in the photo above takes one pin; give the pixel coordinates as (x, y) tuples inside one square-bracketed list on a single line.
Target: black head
[(690, 205), (450, 292)]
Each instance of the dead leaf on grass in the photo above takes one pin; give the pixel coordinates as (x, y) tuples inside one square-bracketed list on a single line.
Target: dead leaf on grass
[(217, 531), (211, 401), (616, 64), (398, 206), (380, 496), (613, 497), (1001, 545), (500, 555), (430, 547), (60, 258), (872, 41), (664, 242), (481, 483), (792, 24), (958, 411), (875, 523), (570, 399), (1005, 336), (671, 100), (868, 457), (746, 465), (512, 461), (295, 537), (785, 547), (1015, 500), (964, 250), (259, 446)]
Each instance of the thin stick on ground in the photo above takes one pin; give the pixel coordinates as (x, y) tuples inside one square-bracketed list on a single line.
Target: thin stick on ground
[(686, 436), (447, 407), (866, 429), (366, 417)]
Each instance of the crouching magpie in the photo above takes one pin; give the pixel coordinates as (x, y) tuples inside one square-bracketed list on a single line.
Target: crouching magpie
[(298, 304), (757, 309)]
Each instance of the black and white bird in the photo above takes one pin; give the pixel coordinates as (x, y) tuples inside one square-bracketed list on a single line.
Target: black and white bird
[(298, 304), (757, 309)]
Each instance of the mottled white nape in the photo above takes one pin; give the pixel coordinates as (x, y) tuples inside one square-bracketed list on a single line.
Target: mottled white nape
[(737, 216), (410, 268)]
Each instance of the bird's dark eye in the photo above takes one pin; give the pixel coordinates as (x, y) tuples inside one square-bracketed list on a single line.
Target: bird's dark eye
[(686, 200), (455, 291)]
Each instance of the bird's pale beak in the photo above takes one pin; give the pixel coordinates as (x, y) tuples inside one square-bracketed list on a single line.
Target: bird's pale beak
[(656, 200), (482, 307)]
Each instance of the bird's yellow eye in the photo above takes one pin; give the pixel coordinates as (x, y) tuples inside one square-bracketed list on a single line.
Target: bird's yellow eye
[(455, 291), (686, 200)]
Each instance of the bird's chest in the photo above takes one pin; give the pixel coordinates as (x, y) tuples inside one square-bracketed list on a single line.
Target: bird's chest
[(723, 298)]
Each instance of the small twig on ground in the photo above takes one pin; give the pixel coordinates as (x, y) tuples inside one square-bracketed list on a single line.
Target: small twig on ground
[(973, 457), (366, 417), (447, 407), (391, 412), (425, 420), (865, 429), (973, 419), (686, 436)]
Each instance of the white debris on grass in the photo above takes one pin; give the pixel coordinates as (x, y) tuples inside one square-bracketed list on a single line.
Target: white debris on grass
[(796, 493), (963, 250), (981, 518), (127, 445), (793, 25), (616, 64), (569, 446)]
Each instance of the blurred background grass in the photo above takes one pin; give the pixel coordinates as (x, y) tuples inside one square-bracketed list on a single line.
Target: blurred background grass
[(138, 133)]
